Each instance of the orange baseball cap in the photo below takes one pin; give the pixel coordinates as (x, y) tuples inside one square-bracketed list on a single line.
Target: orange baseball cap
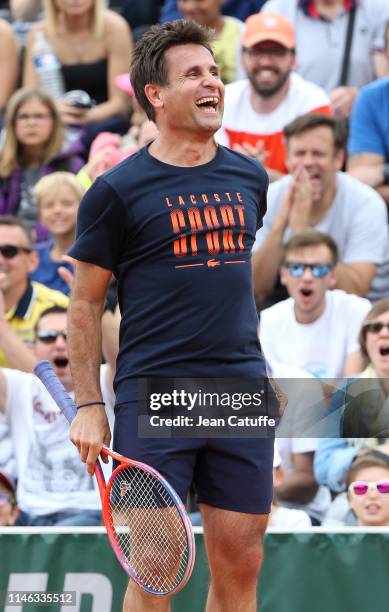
[(268, 26)]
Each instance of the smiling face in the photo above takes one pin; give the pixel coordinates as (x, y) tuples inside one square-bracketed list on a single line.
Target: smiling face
[(193, 99), (314, 149), (55, 350), (377, 344), (371, 509), (33, 123), (58, 210), (14, 271), (203, 12), (307, 290), (268, 66)]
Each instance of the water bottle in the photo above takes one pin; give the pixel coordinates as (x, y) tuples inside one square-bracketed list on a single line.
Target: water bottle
[(48, 67)]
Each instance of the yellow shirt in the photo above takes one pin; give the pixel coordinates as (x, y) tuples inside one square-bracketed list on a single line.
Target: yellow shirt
[(23, 317), (227, 48)]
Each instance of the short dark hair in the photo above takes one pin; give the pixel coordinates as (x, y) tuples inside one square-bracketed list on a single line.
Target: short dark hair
[(148, 60), (311, 237), (11, 221), (49, 311), (310, 121), (378, 309)]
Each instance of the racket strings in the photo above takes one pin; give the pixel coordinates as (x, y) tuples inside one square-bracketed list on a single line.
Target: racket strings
[(149, 529)]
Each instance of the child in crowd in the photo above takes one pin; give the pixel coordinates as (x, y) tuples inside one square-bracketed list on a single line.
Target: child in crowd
[(34, 146), (368, 489), (58, 196), (8, 508)]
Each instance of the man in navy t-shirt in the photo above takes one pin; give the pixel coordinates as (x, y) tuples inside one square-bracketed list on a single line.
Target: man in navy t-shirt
[(175, 223)]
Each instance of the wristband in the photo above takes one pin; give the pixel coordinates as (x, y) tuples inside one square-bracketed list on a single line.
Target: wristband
[(90, 404), (386, 174)]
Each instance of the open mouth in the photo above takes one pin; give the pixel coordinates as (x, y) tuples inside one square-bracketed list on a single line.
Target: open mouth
[(384, 350), (60, 362), (306, 292), (208, 103)]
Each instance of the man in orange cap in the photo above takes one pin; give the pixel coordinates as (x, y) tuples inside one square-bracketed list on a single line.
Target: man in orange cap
[(258, 108)]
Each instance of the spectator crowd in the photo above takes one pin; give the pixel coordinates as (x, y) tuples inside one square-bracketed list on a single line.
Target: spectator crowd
[(307, 93)]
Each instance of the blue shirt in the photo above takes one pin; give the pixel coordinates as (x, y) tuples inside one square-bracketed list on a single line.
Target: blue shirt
[(369, 122), (179, 241), (241, 9), (47, 271)]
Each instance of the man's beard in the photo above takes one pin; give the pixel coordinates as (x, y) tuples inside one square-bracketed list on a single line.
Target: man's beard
[(269, 91)]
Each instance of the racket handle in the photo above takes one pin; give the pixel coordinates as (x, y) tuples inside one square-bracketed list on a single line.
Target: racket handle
[(44, 371)]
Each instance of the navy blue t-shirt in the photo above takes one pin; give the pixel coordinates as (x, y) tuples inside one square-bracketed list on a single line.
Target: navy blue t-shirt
[(179, 242)]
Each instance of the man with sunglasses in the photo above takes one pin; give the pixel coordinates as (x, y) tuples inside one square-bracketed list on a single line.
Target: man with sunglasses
[(317, 327), (317, 194), (53, 488), (21, 300)]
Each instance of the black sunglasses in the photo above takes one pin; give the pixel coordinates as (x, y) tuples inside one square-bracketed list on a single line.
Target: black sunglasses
[(50, 336), (9, 251), (375, 327)]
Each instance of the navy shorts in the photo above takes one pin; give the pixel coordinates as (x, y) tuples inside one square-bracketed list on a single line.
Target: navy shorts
[(232, 474)]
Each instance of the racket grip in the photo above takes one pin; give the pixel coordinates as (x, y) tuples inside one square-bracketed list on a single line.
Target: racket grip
[(44, 371)]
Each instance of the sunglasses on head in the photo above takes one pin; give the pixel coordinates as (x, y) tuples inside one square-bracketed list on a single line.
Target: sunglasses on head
[(9, 251), (360, 487), (375, 327), (50, 336), (297, 268)]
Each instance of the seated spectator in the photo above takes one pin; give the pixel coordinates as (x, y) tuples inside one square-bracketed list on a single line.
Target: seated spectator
[(58, 196), (297, 330), (257, 109), (109, 149), (299, 489), (366, 411), (228, 33), (9, 65), (368, 144), (53, 486), (334, 456), (281, 517), (33, 147), (241, 9), (321, 28), (317, 195), (9, 510), (21, 301), (367, 484), (93, 45)]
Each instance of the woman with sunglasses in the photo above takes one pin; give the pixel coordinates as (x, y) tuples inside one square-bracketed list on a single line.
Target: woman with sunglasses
[(366, 406), (367, 484), (33, 147)]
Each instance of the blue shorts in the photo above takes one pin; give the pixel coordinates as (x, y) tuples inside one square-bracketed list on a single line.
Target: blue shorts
[(229, 473)]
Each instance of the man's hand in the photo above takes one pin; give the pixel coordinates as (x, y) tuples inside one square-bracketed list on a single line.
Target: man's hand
[(300, 200), (342, 100), (89, 432), (257, 151), (296, 205)]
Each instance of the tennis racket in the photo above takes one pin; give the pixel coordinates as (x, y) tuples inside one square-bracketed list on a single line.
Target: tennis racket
[(147, 524)]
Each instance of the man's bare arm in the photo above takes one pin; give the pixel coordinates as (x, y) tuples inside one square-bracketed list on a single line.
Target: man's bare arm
[(369, 168), (89, 430), (355, 277), (266, 263), (300, 486)]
